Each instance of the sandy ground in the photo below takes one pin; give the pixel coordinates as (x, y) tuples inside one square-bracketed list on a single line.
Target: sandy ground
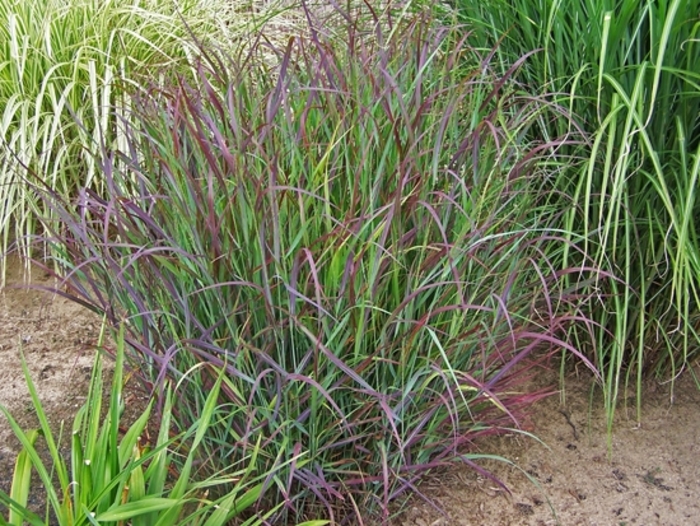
[(58, 339), (652, 477)]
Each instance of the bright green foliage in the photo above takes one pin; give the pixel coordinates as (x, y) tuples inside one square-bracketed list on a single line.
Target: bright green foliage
[(628, 73), (114, 477)]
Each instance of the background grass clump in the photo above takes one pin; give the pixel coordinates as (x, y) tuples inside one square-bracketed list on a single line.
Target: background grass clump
[(628, 73), (65, 62), (356, 237)]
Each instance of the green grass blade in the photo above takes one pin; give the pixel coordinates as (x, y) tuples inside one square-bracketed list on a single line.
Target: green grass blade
[(21, 479), (232, 505), (20, 511), (130, 510), (37, 463)]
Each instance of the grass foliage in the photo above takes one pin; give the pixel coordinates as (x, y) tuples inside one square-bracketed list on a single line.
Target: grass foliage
[(628, 73), (349, 244), (64, 62), (353, 237), (114, 477)]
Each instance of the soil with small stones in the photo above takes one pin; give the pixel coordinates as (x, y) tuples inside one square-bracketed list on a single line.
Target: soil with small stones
[(649, 476)]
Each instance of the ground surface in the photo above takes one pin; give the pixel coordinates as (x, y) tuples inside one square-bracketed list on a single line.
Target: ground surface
[(653, 477), (58, 339)]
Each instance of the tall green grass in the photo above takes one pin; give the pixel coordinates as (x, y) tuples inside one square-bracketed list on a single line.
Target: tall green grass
[(113, 477), (628, 73), (354, 236)]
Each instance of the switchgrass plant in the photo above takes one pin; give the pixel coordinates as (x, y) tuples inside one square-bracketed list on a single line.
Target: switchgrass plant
[(113, 477), (353, 237), (628, 72), (69, 61)]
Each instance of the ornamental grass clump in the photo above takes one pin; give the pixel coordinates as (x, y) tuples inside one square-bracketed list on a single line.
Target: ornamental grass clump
[(62, 60), (353, 237), (628, 72)]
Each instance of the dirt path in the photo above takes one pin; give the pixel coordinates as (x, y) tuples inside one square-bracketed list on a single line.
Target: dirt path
[(653, 477)]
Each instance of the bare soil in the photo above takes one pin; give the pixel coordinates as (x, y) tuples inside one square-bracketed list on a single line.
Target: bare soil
[(58, 339), (650, 476)]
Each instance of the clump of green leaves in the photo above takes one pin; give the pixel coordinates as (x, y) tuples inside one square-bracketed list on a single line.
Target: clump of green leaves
[(113, 478), (627, 72)]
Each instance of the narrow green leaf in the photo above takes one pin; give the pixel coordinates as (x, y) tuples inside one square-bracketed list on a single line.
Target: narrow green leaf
[(25, 514), (231, 506), (157, 471), (38, 464), (21, 479), (130, 510)]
